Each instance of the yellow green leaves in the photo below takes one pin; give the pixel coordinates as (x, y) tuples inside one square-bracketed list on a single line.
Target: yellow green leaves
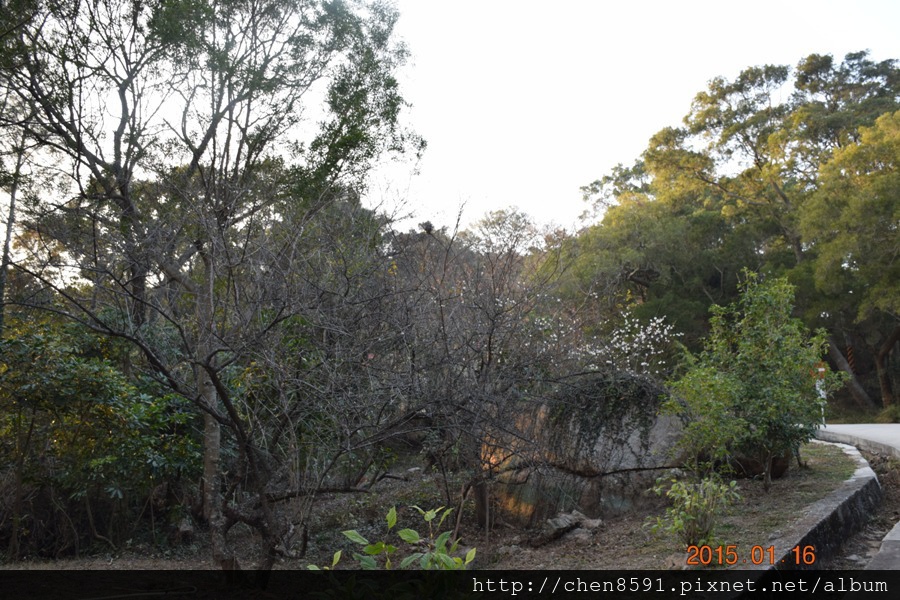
[(853, 220)]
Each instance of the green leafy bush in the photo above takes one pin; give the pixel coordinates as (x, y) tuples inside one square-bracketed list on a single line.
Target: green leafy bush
[(84, 446), (696, 508), (430, 551), (753, 391)]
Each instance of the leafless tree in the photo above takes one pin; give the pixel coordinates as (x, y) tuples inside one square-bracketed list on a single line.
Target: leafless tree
[(189, 186)]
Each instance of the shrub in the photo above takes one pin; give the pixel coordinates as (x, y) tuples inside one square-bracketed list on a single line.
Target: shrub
[(696, 508), (753, 390), (431, 552), (83, 447)]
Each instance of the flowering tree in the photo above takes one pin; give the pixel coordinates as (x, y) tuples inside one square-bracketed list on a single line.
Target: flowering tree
[(638, 347)]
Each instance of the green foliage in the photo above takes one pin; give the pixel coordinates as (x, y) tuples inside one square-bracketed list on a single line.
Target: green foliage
[(697, 507), (666, 249), (891, 414), (431, 551), (753, 389), (93, 420), (799, 182), (72, 425), (853, 217), (704, 399), (151, 441), (175, 24)]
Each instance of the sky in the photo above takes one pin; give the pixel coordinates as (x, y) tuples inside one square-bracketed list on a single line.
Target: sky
[(523, 102)]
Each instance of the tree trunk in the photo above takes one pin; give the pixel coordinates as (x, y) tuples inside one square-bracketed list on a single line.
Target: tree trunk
[(881, 364), (211, 451), (863, 400), (767, 472), (22, 446), (10, 224), (206, 390), (482, 504), (212, 498), (212, 429)]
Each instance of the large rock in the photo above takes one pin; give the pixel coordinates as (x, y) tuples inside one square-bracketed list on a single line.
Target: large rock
[(596, 445)]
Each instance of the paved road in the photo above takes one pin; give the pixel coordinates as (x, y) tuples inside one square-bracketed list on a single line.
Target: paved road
[(883, 439)]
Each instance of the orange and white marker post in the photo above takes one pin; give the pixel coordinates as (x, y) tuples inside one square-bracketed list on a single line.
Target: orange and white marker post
[(820, 388)]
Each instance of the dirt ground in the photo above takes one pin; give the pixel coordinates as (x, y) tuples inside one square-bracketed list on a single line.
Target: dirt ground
[(626, 543), (619, 543)]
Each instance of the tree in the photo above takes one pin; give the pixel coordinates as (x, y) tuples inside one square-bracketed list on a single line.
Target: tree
[(12, 181), (731, 189), (85, 447), (663, 249), (853, 222), (14, 147), (770, 154), (191, 187), (483, 338), (752, 391), (763, 153)]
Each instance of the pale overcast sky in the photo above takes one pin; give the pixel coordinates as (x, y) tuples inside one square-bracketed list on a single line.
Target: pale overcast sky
[(524, 102)]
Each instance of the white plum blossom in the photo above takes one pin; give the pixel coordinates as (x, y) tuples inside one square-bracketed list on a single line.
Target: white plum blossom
[(634, 346)]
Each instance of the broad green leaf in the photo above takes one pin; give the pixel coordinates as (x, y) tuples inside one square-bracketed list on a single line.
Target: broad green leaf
[(441, 542), (410, 536), (392, 518), (410, 559), (374, 549), (354, 536), (470, 555), (336, 559), (446, 561)]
